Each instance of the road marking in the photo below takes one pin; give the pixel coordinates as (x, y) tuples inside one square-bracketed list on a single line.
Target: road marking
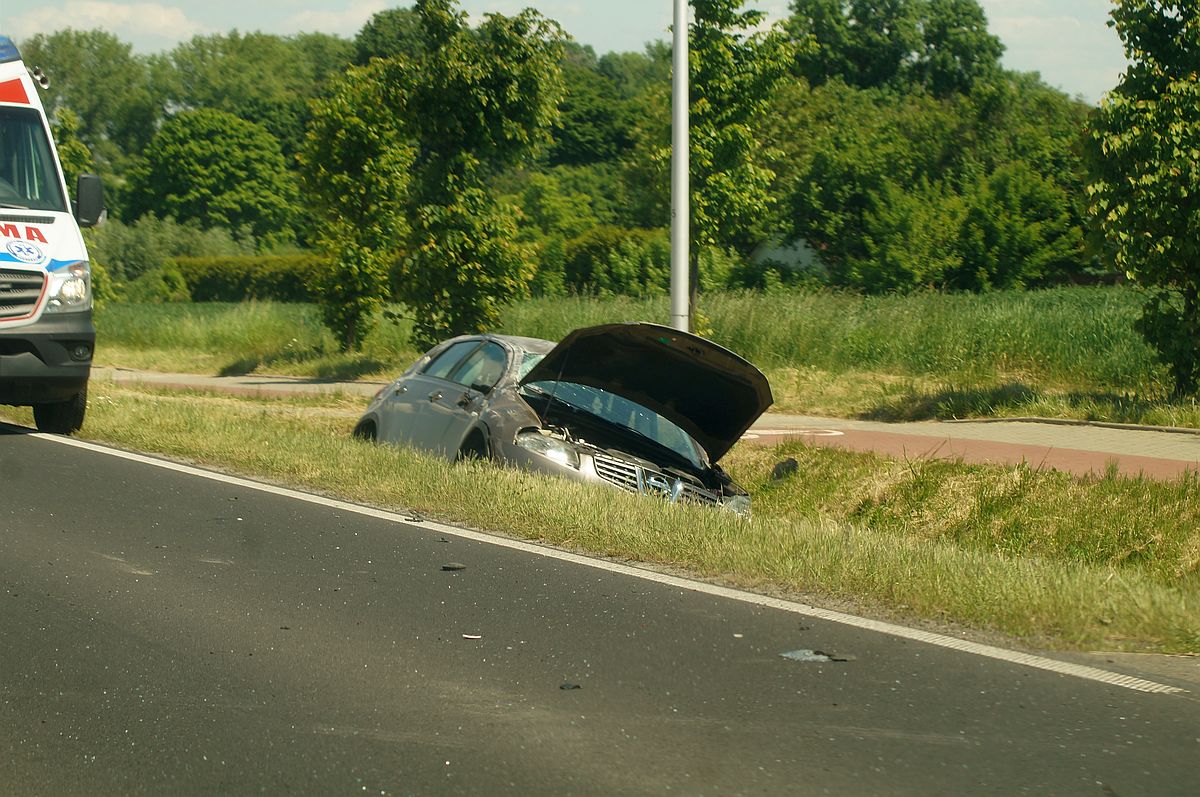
[(754, 434), (891, 629)]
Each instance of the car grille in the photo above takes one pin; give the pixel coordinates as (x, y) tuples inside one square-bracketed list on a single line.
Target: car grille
[(636, 479), (19, 293), (695, 494), (624, 474)]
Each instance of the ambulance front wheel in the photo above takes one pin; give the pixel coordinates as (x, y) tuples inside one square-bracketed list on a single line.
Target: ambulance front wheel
[(61, 417)]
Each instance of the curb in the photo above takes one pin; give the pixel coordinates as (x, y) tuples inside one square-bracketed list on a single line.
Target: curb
[(1129, 427)]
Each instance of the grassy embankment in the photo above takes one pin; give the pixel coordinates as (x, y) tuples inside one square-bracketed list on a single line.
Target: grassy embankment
[(1105, 562), (1069, 353)]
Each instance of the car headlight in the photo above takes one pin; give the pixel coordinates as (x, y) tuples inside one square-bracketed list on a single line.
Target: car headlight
[(70, 289), (551, 448), (738, 504)]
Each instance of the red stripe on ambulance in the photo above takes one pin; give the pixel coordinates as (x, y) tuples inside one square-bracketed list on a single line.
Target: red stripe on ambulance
[(13, 91)]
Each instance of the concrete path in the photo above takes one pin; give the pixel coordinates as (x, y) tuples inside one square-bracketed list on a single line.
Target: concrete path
[(1075, 447), (1070, 446)]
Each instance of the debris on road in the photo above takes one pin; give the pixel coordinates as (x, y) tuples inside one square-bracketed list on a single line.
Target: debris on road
[(815, 656), (451, 566), (569, 685), (472, 636)]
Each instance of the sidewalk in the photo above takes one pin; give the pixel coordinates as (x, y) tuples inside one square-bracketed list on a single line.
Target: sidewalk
[(1069, 446), (1074, 447)]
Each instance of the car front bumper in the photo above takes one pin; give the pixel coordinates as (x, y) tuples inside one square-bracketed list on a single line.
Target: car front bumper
[(623, 473)]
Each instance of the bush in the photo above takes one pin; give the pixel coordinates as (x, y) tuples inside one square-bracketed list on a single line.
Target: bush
[(280, 278), (130, 250), (103, 289), (548, 280), (158, 286), (615, 260)]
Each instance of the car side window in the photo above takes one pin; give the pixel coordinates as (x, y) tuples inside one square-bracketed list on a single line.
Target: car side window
[(448, 360), (483, 369)]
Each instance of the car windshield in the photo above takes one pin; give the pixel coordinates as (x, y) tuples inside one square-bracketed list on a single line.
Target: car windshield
[(625, 413), (28, 176), (528, 360)]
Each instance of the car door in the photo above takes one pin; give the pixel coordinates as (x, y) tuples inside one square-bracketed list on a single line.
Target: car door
[(407, 414), (456, 411)]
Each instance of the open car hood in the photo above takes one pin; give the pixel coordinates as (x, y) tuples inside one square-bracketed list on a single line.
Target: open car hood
[(706, 390)]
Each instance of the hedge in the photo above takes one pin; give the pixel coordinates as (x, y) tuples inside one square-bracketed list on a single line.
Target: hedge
[(280, 278)]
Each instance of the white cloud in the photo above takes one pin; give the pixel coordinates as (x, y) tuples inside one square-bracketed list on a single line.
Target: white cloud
[(1076, 51), (345, 22), (128, 21)]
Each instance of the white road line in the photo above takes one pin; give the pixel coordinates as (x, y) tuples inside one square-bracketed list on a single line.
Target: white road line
[(941, 640), (754, 434)]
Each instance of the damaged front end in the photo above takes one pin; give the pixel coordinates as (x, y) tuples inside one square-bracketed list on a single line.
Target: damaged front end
[(602, 442)]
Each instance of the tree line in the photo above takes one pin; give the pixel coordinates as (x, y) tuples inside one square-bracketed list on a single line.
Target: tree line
[(455, 167)]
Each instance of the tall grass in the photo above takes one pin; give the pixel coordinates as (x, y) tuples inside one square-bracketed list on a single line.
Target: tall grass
[(238, 338), (1066, 352), (1072, 336), (1075, 336)]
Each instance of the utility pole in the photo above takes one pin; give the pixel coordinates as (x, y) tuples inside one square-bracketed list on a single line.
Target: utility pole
[(681, 314)]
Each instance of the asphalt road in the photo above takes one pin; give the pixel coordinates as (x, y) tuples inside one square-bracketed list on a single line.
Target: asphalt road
[(167, 634)]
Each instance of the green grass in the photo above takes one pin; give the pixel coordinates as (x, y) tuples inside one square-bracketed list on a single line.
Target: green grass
[(231, 339), (1082, 563), (1063, 353)]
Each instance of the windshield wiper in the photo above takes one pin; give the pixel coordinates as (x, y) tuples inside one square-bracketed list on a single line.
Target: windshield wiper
[(13, 207)]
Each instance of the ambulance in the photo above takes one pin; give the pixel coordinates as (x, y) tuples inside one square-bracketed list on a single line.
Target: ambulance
[(46, 332)]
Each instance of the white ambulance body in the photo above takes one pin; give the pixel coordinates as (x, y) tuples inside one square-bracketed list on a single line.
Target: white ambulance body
[(46, 331)]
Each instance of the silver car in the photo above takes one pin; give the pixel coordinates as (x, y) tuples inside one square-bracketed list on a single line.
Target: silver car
[(638, 406)]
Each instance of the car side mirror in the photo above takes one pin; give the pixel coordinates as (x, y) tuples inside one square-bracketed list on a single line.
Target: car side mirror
[(89, 200)]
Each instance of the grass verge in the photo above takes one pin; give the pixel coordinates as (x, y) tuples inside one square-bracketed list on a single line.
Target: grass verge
[(1056, 561), (1063, 353)]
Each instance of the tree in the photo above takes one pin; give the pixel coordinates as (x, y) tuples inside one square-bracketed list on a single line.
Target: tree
[(97, 77), (73, 154), (867, 43), (1145, 161), (632, 73), (594, 123), (941, 45), (733, 72), (392, 33), (258, 77), (355, 166), (480, 101), (733, 69), (843, 146), (219, 170), (957, 51)]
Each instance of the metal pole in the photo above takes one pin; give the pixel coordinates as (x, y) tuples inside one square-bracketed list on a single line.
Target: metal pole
[(680, 190)]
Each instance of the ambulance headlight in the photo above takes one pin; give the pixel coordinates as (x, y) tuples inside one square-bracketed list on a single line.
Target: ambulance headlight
[(70, 289)]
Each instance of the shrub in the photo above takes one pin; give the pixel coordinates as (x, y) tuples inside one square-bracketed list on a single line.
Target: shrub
[(130, 250), (616, 260), (548, 280), (280, 278), (158, 286)]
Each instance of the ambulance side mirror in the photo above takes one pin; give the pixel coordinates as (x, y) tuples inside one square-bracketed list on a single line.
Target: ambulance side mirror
[(89, 200)]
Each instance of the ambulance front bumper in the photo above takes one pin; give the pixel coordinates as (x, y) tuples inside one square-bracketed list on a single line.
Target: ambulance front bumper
[(47, 361)]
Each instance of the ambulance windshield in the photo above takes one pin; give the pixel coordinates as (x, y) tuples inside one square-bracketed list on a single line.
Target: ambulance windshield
[(28, 175)]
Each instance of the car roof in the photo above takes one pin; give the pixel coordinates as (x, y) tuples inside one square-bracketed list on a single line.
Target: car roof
[(534, 345)]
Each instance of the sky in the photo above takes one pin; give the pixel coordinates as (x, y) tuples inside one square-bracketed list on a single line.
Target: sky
[(1066, 41)]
